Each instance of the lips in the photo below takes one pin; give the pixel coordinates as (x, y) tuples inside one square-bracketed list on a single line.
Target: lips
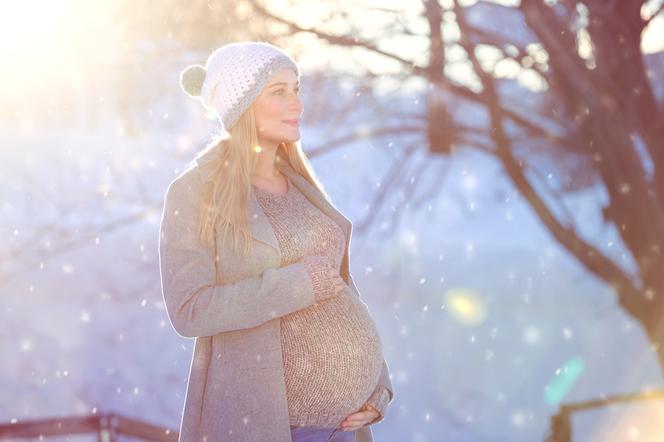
[(292, 122)]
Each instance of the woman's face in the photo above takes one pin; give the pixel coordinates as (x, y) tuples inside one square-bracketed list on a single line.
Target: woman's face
[(278, 108)]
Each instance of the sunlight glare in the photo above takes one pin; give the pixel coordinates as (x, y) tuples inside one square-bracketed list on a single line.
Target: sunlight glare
[(465, 306), (49, 45)]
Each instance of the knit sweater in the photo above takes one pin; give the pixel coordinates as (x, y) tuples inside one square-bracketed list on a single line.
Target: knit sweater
[(331, 350)]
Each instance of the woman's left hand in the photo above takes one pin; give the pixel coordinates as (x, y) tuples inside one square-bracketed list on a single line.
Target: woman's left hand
[(357, 420)]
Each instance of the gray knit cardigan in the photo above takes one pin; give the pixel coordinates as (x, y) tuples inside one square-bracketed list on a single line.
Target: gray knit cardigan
[(231, 305)]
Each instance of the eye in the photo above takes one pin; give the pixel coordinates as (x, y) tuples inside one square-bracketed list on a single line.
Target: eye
[(297, 90)]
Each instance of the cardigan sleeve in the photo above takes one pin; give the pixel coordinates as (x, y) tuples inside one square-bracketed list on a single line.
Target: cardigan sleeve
[(195, 304), (326, 280)]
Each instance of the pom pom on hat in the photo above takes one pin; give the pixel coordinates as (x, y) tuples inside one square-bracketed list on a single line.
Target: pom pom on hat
[(192, 78)]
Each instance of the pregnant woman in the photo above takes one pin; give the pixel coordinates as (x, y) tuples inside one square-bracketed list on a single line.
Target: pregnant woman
[(254, 262)]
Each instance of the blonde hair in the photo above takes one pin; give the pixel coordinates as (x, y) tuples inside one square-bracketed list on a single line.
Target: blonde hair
[(226, 188)]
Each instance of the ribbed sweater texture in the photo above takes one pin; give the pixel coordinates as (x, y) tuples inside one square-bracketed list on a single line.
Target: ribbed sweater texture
[(331, 349)]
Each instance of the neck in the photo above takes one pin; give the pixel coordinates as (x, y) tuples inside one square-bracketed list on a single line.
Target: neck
[(266, 167)]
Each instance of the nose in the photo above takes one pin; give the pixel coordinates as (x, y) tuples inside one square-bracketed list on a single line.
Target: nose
[(296, 103)]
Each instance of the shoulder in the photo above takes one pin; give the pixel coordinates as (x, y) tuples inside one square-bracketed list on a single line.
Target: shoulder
[(180, 205), (185, 185)]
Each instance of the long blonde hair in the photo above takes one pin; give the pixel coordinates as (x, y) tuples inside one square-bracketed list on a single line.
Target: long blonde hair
[(227, 184)]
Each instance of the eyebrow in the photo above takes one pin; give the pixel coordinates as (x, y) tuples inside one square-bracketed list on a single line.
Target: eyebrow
[(286, 84)]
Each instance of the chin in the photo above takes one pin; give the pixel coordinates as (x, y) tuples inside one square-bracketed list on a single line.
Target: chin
[(291, 139)]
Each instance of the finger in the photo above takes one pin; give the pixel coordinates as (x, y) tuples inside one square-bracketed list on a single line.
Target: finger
[(352, 427), (355, 416), (362, 416)]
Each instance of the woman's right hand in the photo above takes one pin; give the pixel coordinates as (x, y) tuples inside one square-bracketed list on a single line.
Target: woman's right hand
[(327, 281)]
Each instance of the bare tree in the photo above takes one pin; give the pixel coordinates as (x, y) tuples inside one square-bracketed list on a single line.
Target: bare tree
[(595, 110)]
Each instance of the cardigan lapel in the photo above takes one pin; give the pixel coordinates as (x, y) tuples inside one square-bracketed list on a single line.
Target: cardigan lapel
[(315, 197), (259, 224)]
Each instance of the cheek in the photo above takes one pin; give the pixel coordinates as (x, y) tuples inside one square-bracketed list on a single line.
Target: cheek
[(270, 113)]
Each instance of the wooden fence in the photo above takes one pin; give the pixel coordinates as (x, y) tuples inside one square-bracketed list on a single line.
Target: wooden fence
[(561, 425), (106, 427)]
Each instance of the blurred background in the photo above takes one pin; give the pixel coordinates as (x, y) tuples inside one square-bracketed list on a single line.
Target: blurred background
[(503, 166)]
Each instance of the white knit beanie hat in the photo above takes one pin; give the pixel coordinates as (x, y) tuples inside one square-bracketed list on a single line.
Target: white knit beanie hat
[(234, 76)]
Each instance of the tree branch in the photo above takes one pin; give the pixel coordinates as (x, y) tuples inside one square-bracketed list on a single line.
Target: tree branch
[(592, 258)]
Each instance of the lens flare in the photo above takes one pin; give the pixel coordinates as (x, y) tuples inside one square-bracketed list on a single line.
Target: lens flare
[(465, 306), (564, 380)]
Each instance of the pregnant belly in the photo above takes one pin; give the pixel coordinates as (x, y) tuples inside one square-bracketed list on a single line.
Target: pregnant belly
[(332, 355)]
